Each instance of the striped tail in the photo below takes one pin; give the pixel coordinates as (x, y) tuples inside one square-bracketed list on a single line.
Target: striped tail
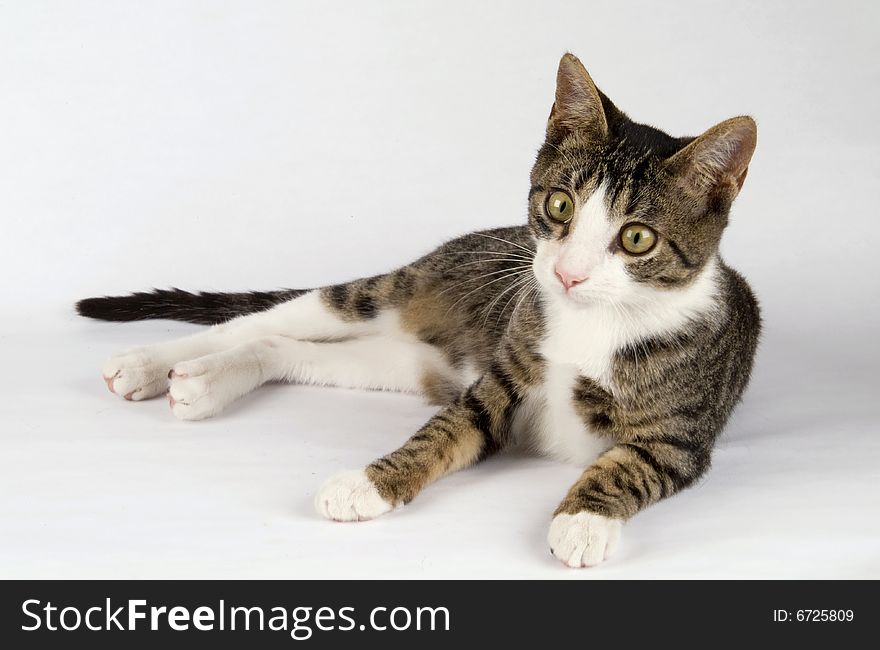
[(202, 308)]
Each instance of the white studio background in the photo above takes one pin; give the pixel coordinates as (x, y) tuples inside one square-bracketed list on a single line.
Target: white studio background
[(237, 144)]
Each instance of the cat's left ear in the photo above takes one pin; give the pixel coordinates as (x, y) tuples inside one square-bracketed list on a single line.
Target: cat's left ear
[(720, 157)]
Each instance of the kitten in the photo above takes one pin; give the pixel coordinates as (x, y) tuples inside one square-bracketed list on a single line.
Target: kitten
[(607, 332)]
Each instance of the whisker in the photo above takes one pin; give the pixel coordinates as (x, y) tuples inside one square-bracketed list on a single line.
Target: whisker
[(518, 269), (506, 241), (535, 291), (517, 283), (535, 294), (505, 252), (482, 286), (492, 259), (499, 295), (511, 299), (513, 313)]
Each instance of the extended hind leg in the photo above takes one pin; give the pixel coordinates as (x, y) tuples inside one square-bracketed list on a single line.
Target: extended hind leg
[(344, 311), (203, 387)]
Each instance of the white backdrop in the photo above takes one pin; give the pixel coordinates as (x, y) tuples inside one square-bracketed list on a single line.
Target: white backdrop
[(238, 144)]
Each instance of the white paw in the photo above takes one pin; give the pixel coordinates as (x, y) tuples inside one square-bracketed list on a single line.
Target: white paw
[(196, 390), (584, 539), (350, 496), (136, 374)]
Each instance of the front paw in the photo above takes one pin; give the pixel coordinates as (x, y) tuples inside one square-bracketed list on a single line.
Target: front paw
[(136, 374), (351, 496), (583, 539), (195, 391)]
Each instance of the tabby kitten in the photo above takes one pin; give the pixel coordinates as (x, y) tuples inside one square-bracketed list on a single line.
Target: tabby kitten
[(607, 332)]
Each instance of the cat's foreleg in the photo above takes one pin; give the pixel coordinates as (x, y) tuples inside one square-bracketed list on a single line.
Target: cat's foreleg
[(628, 477), (203, 387), (471, 429)]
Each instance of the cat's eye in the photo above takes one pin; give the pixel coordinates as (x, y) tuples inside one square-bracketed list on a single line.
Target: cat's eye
[(637, 238), (560, 206)]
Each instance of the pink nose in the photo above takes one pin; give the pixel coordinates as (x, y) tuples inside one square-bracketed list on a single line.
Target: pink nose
[(568, 280)]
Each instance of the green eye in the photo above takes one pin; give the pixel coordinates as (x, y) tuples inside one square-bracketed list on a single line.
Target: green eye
[(560, 206), (637, 238)]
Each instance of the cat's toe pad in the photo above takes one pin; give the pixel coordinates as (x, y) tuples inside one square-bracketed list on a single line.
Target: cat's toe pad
[(583, 539), (350, 496), (135, 375)]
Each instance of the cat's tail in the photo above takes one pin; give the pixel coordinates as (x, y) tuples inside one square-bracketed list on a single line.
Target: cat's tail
[(202, 308)]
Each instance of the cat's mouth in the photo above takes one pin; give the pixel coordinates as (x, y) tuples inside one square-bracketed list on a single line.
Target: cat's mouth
[(587, 295)]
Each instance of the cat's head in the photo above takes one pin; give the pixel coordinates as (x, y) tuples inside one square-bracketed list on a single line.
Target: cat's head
[(621, 211)]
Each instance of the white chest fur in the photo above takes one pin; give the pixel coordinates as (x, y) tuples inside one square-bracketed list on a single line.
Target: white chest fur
[(547, 420), (581, 341)]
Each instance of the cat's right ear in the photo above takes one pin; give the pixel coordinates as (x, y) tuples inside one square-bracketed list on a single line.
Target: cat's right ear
[(578, 105)]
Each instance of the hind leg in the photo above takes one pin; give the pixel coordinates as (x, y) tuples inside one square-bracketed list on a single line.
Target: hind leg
[(142, 373), (203, 387)]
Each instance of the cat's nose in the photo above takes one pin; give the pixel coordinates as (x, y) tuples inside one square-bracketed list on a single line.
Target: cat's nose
[(568, 280)]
